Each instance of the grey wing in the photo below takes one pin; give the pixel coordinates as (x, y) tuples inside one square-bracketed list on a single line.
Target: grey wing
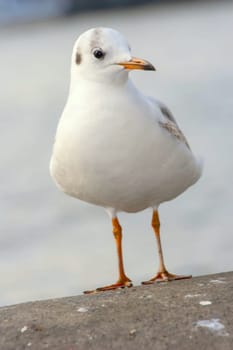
[(170, 123), (166, 112)]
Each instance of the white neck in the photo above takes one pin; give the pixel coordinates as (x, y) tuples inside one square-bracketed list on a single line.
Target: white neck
[(106, 80)]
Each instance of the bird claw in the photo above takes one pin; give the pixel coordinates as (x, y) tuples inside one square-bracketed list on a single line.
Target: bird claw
[(166, 277), (117, 285)]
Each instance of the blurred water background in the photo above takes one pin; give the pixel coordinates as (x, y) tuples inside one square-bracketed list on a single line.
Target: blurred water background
[(52, 245)]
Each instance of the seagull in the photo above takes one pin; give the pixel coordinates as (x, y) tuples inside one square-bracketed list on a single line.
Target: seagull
[(114, 146)]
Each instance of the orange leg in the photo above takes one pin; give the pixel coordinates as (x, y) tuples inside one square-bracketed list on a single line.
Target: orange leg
[(162, 275), (123, 281)]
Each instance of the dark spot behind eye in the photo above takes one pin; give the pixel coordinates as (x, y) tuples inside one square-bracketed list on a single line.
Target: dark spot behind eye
[(78, 58)]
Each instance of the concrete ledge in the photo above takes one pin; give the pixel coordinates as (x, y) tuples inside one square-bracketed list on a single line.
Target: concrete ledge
[(188, 314)]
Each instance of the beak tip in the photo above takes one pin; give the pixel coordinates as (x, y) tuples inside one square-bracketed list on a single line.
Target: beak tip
[(149, 67)]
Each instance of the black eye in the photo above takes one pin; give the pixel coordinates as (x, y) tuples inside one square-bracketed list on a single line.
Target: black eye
[(98, 53)]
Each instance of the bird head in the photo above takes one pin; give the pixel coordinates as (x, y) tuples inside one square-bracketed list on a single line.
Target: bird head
[(103, 54)]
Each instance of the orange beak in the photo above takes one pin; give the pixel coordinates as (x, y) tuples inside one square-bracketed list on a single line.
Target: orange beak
[(137, 63)]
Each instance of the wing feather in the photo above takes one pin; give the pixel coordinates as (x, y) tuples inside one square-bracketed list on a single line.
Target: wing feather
[(170, 123)]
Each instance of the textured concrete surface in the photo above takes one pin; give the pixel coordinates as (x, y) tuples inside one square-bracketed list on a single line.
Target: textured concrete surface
[(188, 314)]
